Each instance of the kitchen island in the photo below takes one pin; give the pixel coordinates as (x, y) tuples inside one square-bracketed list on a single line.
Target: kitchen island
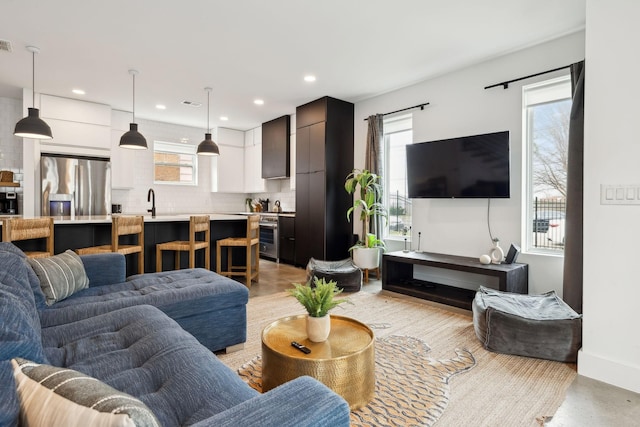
[(84, 231)]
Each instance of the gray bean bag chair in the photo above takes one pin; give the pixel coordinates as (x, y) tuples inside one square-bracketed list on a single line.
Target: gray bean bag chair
[(344, 272), (541, 326)]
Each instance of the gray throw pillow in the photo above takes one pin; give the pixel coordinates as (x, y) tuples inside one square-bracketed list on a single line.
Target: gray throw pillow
[(60, 275), (51, 396)]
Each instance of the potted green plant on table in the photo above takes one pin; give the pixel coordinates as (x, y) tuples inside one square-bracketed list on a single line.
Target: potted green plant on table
[(366, 253), (318, 300)]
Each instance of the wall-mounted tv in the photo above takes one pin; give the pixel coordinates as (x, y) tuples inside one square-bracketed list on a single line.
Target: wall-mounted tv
[(468, 167)]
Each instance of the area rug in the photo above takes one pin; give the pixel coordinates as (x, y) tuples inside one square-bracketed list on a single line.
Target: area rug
[(412, 389), (500, 390)]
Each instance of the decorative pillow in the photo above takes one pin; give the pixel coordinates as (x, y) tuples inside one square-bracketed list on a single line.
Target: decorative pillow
[(60, 275), (51, 396)]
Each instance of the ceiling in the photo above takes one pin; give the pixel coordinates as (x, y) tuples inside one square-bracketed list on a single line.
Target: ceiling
[(252, 49)]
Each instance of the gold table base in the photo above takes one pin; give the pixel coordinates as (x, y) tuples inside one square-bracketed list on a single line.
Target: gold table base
[(345, 362)]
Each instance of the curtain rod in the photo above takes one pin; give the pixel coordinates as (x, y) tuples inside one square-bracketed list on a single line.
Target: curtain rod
[(420, 106), (505, 85)]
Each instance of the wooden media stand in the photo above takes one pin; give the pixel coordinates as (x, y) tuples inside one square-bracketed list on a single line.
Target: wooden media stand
[(397, 276)]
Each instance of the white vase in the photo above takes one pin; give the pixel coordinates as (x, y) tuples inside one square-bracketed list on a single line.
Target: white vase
[(318, 328), (366, 257)]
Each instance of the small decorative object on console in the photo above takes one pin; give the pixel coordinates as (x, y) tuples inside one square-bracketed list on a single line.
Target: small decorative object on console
[(497, 254)]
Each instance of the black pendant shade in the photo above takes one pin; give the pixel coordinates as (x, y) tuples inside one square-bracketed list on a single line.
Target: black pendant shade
[(33, 126), (133, 139), (208, 147)]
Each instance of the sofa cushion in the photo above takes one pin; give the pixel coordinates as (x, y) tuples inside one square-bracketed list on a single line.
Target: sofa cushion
[(57, 396), (177, 293), (60, 275), (34, 283), (144, 353)]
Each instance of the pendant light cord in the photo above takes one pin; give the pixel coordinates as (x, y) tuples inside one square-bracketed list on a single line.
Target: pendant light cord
[(134, 97), (208, 114), (33, 79)]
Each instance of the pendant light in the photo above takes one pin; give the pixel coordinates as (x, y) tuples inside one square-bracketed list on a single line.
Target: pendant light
[(133, 139), (208, 147), (33, 126)]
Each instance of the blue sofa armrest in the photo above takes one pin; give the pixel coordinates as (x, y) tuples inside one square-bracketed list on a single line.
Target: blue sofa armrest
[(105, 269), (303, 402)]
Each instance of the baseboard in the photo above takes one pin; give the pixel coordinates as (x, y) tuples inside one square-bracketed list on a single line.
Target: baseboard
[(609, 371)]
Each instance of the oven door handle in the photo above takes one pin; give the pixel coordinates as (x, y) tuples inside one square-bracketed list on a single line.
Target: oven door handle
[(272, 226)]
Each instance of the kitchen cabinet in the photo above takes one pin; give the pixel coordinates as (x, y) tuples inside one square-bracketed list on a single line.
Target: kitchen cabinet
[(275, 148), (227, 169), (253, 182), (324, 158), (292, 156), (76, 123), (122, 163), (287, 239)]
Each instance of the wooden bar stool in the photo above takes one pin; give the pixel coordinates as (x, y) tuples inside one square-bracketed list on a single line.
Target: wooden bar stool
[(252, 244), (197, 224), (122, 226), (15, 229)]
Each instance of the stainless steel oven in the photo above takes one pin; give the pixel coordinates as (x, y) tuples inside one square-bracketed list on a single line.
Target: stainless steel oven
[(269, 236)]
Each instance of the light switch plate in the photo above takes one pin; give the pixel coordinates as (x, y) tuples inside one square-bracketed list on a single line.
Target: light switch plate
[(619, 194)]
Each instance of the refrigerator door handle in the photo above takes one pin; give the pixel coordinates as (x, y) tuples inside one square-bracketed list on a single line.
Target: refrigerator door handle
[(77, 194)]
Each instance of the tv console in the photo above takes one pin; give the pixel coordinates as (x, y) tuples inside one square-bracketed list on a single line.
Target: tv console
[(397, 276)]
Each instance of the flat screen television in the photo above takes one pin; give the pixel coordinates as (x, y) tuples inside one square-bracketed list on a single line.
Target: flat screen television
[(469, 167)]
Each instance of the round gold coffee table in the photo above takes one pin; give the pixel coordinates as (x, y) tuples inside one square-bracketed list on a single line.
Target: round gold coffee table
[(344, 362)]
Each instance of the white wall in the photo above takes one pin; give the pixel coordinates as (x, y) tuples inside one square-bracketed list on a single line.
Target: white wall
[(460, 106), (172, 199), (611, 341)]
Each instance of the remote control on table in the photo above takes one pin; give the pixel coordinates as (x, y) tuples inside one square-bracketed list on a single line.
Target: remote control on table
[(300, 347)]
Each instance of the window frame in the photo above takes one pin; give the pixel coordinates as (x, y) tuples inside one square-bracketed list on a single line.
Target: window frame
[(539, 93), (179, 149), (393, 125)]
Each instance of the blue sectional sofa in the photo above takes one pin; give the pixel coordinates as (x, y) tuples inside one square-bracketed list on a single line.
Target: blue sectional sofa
[(132, 336)]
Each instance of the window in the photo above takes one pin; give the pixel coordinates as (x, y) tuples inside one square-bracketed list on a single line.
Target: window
[(174, 163), (547, 107), (397, 134)]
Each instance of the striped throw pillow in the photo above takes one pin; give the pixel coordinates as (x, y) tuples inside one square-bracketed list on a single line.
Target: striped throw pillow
[(60, 275), (51, 396)]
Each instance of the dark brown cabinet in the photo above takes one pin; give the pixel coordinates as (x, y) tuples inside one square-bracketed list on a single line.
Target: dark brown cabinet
[(324, 158), (275, 148), (287, 237)]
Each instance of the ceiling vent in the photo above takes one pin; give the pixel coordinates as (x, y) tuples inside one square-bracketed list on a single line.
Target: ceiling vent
[(192, 103), (5, 45)]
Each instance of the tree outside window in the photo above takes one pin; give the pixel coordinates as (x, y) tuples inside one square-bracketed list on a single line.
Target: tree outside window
[(547, 113)]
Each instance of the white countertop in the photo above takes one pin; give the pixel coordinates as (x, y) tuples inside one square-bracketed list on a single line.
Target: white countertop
[(104, 219)]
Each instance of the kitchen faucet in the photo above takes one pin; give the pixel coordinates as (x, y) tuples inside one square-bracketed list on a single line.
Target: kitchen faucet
[(151, 197)]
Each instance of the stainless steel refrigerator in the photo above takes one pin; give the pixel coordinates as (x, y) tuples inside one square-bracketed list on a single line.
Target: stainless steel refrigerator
[(75, 186)]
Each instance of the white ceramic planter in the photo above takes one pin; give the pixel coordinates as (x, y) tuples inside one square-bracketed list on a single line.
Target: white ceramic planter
[(366, 257), (318, 328)]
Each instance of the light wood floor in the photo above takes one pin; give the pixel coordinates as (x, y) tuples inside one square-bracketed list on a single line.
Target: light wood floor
[(275, 277)]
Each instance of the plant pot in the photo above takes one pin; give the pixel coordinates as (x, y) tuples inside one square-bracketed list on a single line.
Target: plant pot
[(318, 328), (366, 257)]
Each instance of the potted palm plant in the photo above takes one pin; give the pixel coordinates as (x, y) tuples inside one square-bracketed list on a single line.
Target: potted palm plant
[(318, 300), (366, 253)]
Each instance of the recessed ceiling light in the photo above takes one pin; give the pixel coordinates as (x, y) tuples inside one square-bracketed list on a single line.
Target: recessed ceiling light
[(224, 118), (184, 140), (309, 78), (161, 107), (78, 91), (258, 101)]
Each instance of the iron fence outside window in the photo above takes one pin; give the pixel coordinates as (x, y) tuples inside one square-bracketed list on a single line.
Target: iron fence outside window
[(549, 223)]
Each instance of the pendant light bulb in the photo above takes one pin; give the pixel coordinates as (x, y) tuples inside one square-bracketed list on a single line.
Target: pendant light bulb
[(133, 139), (208, 147), (33, 126)]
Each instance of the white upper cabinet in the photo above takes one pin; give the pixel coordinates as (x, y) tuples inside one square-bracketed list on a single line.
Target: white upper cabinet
[(77, 123), (122, 159), (227, 169), (253, 182)]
